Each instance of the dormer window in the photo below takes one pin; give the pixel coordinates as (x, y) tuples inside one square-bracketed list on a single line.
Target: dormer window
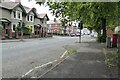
[(30, 18), (17, 14), (14, 14)]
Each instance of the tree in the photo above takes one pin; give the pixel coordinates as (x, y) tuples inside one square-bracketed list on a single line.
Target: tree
[(91, 13)]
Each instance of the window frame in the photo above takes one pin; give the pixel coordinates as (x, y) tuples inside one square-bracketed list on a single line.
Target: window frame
[(17, 15), (16, 24), (30, 18)]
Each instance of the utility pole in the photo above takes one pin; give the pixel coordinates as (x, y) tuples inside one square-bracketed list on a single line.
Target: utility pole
[(80, 25)]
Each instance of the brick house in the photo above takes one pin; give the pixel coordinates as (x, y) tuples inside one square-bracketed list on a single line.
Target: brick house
[(54, 26)]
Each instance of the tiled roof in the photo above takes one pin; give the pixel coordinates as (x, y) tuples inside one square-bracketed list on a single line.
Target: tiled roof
[(8, 5), (54, 22), (42, 15), (27, 9)]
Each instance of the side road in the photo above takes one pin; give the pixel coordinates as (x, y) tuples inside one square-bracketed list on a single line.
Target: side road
[(88, 62)]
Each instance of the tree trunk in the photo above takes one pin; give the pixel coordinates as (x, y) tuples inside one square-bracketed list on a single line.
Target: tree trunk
[(119, 43), (104, 27)]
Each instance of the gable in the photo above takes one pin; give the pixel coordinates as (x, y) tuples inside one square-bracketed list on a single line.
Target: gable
[(18, 8), (31, 13)]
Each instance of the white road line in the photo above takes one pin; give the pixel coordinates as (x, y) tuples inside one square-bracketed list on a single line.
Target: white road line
[(63, 54), (37, 68), (43, 65), (52, 68)]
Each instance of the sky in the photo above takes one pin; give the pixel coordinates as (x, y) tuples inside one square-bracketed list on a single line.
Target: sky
[(40, 9)]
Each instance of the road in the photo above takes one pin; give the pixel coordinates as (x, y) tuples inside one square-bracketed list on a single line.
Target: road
[(19, 57)]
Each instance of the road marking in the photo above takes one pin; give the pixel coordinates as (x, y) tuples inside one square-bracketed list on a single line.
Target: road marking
[(64, 54), (52, 67), (45, 65), (27, 72), (37, 68)]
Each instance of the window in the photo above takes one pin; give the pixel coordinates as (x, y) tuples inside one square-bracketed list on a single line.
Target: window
[(31, 18), (27, 18), (19, 17), (14, 14), (17, 14), (14, 26)]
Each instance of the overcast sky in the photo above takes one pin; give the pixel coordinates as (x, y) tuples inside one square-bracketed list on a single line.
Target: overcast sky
[(40, 9)]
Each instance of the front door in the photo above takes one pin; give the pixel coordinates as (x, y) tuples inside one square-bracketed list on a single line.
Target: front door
[(5, 27)]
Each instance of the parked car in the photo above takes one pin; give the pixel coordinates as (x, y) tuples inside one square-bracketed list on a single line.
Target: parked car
[(72, 34), (86, 31), (77, 34), (94, 34)]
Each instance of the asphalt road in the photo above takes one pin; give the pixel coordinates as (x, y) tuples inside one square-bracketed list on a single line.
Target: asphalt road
[(20, 57)]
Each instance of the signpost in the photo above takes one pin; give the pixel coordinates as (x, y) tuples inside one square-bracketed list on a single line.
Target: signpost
[(80, 25), (21, 24)]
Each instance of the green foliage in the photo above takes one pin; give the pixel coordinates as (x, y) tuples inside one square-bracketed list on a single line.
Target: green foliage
[(27, 30), (114, 59), (71, 52), (18, 28), (101, 39), (89, 12)]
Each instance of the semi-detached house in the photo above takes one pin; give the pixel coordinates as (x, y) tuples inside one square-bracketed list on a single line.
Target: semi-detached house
[(14, 12)]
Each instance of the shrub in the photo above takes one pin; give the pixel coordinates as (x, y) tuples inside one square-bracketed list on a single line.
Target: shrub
[(101, 39), (114, 59), (27, 30)]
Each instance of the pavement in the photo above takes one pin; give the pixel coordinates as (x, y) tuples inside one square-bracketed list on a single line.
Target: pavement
[(19, 40), (88, 62)]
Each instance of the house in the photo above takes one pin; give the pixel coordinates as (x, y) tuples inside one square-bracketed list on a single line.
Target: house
[(32, 21), (54, 26), (14, 12), (43, 21)]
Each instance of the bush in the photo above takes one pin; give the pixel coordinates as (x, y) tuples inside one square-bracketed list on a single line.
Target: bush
[(101, 39), (114, 59), (27, 30)]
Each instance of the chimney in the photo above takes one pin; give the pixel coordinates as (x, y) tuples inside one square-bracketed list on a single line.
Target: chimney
[(54, 19), (17, 1)]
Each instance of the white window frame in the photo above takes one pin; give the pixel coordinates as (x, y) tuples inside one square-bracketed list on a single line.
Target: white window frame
[(17, 15), (30, 18), (16, 24)]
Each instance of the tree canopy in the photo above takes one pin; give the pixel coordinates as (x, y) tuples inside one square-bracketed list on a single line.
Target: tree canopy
[(90, 13)]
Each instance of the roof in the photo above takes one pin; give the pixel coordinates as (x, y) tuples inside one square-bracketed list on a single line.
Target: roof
[(8, 5), (43, 15), (54, 22), (11, 5), (27, 9)]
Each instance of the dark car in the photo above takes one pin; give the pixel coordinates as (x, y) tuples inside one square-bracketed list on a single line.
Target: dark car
[(72, 34)]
